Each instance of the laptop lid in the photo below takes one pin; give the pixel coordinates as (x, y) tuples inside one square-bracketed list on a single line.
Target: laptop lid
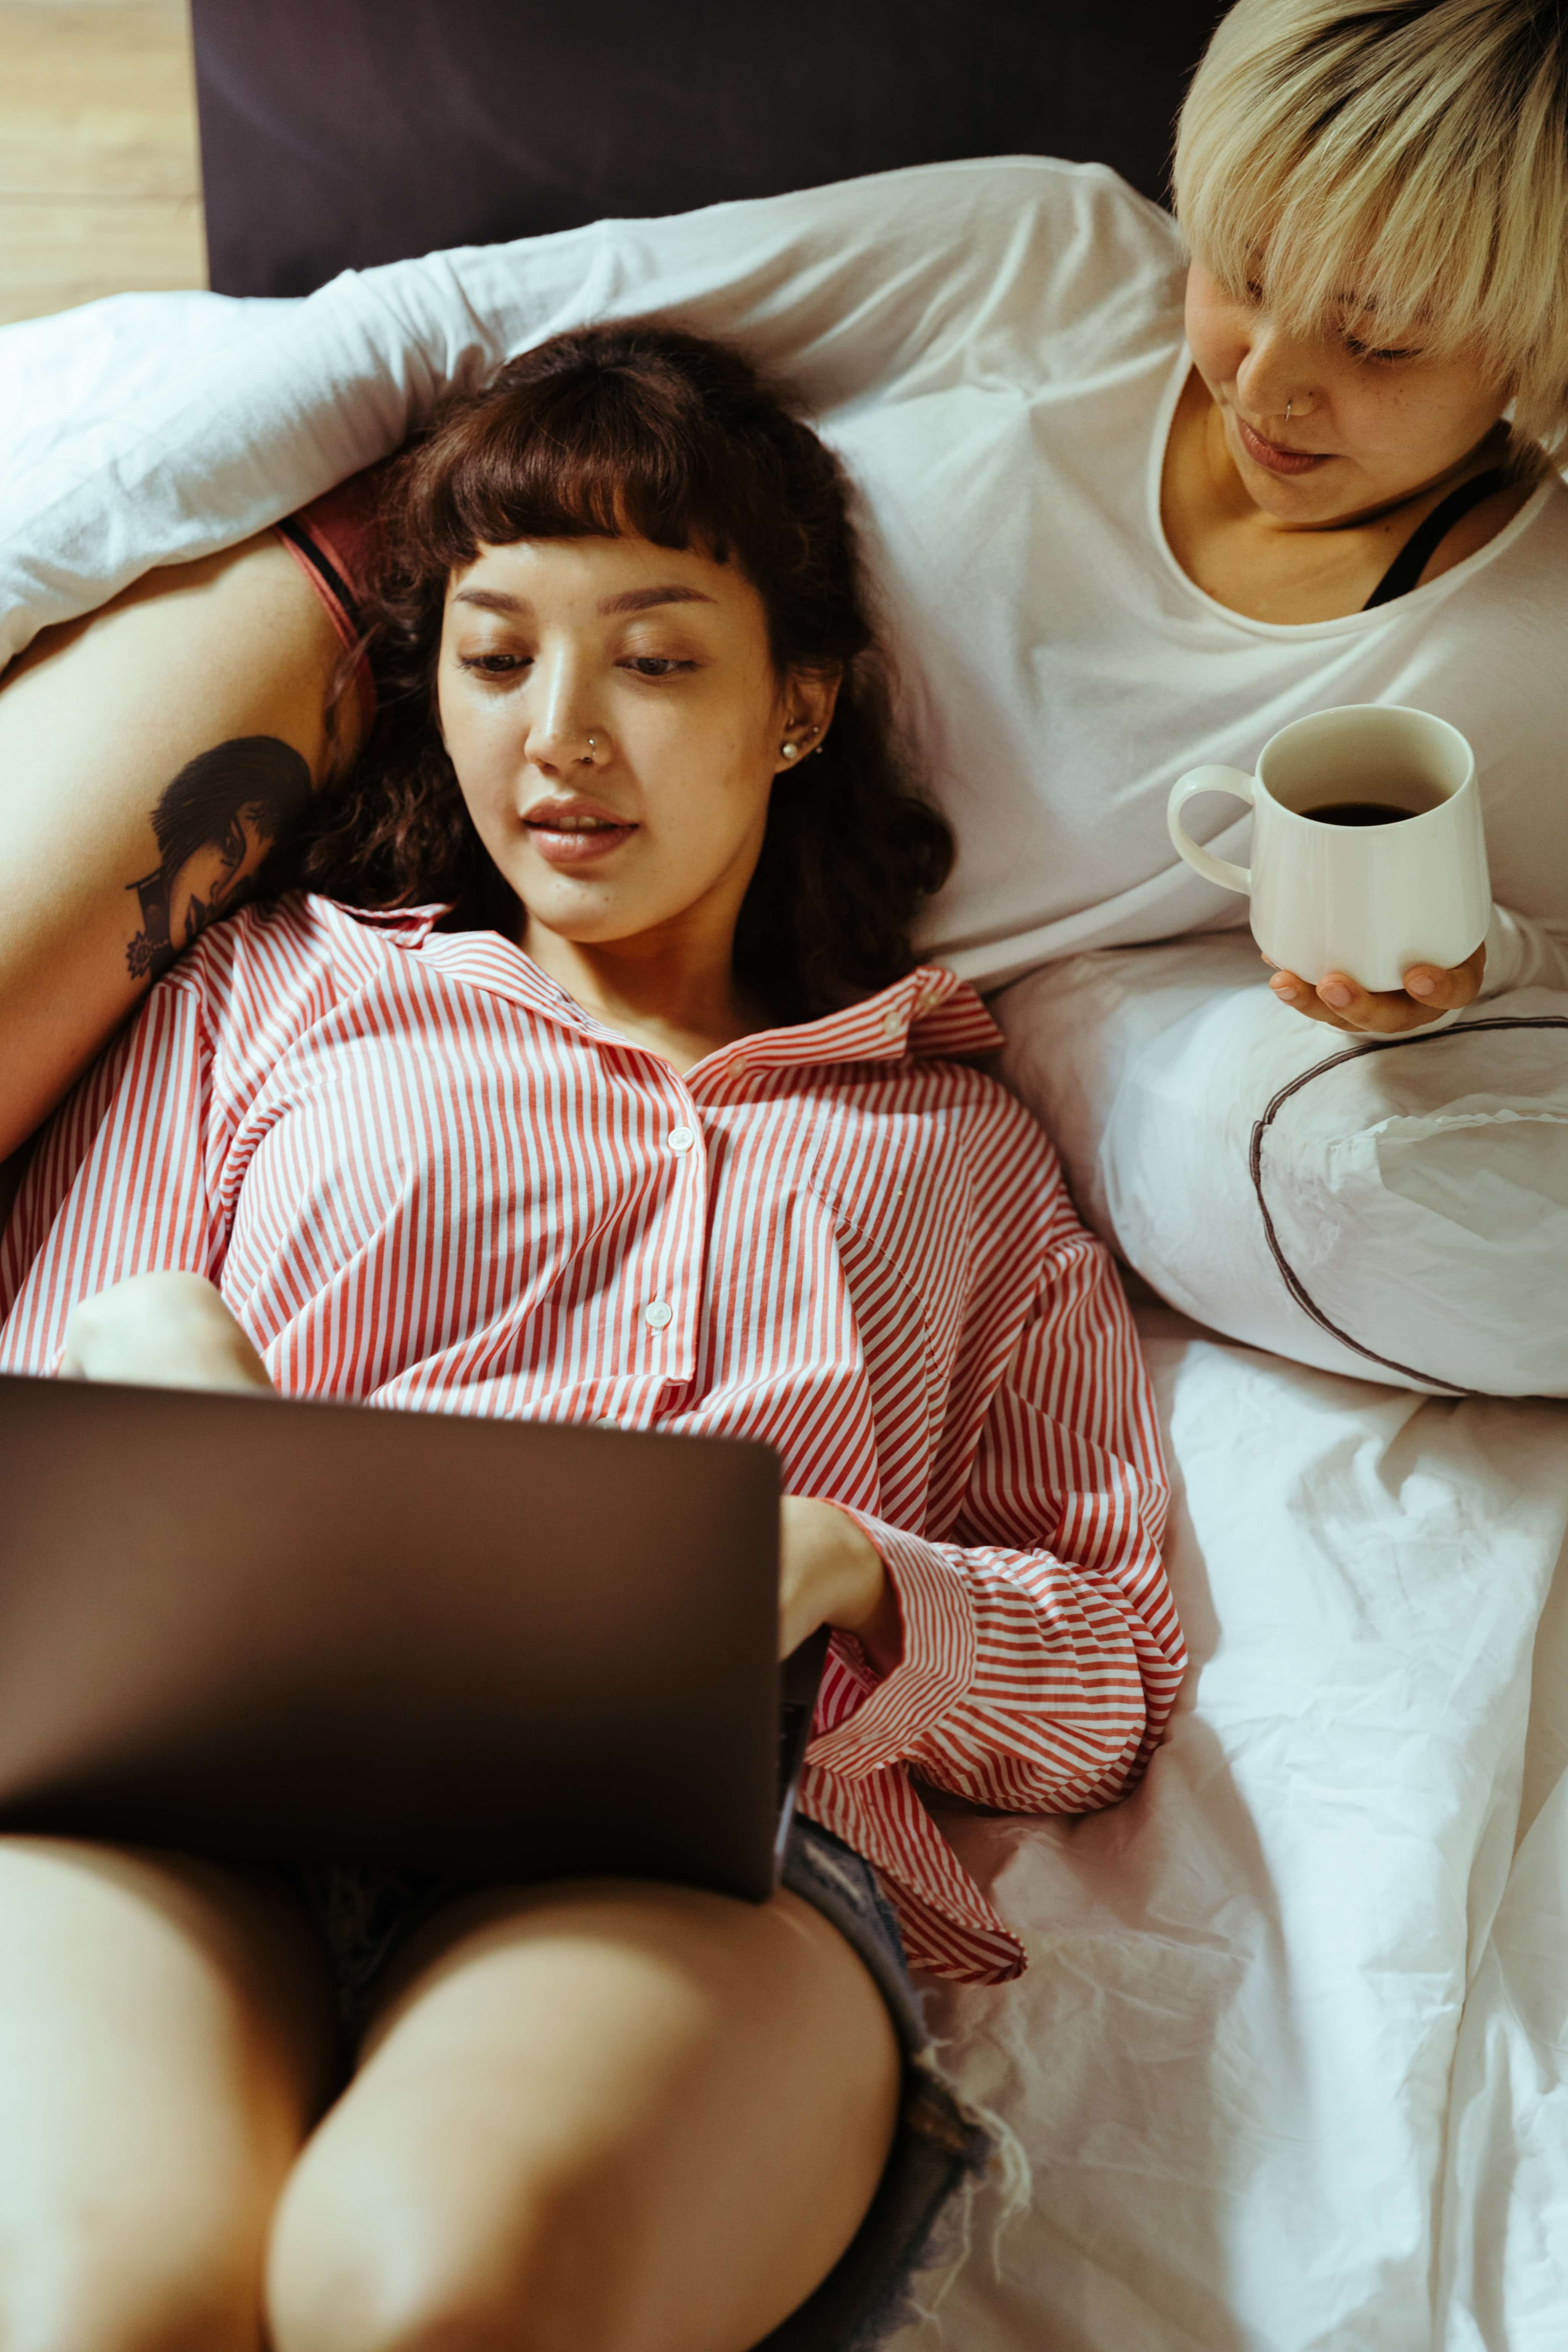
[(245, 1626)]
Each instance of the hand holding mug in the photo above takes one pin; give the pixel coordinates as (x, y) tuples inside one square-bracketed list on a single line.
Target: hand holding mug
[(1343, 1004), (1369, 882)]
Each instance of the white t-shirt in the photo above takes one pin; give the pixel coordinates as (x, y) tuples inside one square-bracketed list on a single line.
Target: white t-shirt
[(995, 348)]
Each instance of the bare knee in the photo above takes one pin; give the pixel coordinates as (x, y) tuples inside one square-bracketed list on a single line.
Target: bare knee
[(155, 2061), (601, 2122), (363, 2269), (78, 2295)]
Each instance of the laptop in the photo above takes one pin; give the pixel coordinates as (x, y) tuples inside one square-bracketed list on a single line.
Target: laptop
[(254, 1628)]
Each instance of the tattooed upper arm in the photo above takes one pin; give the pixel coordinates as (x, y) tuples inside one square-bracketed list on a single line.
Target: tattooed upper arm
[(214, 825)]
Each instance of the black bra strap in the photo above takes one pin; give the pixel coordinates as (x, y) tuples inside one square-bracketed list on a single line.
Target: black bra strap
[(1411, 559)]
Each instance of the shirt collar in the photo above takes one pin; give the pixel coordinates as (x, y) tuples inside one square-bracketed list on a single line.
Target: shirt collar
[(409, 925), (929, 1013)]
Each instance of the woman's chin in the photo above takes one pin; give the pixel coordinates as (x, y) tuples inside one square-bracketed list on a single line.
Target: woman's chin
[(569, 900), (580, 914)]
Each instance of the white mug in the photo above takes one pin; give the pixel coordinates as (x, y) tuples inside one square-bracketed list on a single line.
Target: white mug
[(1368, 895)]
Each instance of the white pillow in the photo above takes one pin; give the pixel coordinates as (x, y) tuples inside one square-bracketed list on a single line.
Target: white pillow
[(1398, 1211)]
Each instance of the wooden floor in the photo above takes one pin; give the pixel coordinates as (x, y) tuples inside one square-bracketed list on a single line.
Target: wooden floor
[(99, 180)]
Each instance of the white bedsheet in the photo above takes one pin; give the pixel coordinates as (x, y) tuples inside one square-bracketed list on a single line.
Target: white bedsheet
[(75, 386), (1261, 2110)]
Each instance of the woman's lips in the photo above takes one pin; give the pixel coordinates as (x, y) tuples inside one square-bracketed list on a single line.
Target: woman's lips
[(1276, 461), (574, 836)]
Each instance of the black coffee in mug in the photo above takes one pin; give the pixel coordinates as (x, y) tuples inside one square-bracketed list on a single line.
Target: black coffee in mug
[(1360, 812), (1406, 798)]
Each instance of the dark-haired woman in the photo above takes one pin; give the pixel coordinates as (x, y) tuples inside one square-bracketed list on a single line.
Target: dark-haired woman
[(658, 1125)]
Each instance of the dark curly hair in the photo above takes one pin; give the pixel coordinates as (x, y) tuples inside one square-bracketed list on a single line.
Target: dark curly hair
[(642, 430)]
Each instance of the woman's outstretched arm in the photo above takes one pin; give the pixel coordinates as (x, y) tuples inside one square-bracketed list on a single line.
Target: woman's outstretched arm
[(149, 757)]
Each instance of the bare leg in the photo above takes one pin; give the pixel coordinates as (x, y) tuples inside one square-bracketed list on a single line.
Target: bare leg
[(164, 2049), (606, 2119), (96, 719)]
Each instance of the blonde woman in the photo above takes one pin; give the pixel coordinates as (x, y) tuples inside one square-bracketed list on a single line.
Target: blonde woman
[(1127, 512)]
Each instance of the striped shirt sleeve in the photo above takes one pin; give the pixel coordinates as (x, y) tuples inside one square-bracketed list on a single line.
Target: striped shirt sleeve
[(133, 1174), (1041, 1653), (119, 1184)]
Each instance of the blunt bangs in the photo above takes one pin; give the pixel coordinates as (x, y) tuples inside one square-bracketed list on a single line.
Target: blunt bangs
[(616, 434), (1408, 158), (577, 457)]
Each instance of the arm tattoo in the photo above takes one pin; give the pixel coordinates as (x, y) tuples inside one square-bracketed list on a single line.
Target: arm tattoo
[(214, 825)]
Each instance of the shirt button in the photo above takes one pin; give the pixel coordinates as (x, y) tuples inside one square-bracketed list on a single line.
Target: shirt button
[(892, 1022), (657, 1314), (681, 1139)]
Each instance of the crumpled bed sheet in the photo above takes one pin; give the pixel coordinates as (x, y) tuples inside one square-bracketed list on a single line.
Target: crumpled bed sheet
[(1290, 2060)]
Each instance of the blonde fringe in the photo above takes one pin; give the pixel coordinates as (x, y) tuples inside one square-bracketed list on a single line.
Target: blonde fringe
[(1411, 158)]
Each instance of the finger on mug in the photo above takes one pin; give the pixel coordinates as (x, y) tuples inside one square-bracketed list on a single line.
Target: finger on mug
[(1300, 996), (1382, 1012), (1438, 991)]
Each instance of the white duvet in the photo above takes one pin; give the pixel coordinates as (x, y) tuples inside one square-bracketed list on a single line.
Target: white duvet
[(1290, 2061)]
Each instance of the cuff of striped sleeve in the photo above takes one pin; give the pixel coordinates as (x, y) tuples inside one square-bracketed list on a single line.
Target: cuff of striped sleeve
[(935, 1669)]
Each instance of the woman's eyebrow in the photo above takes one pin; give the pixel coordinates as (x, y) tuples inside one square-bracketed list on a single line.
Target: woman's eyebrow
[(493, 600), (639, 600), (630, 600)]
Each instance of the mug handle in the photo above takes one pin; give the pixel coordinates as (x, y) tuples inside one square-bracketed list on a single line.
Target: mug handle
[(1209, 780)]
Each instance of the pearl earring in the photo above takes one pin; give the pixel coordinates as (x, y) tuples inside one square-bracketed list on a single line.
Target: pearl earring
[(790, 750)]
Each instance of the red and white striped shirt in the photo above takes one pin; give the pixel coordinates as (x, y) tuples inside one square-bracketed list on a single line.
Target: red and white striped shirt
[(422, 1176)]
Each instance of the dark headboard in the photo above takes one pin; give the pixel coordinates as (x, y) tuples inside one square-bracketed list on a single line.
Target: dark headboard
[(337, 133)]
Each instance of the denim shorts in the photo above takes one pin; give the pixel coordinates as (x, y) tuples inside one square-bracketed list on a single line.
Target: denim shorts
[(366, 1916)]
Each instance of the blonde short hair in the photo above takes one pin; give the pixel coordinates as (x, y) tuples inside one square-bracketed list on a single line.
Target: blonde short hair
[(1413, 154)]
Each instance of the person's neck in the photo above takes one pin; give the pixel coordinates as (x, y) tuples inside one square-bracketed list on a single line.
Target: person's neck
[(676, 995)]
